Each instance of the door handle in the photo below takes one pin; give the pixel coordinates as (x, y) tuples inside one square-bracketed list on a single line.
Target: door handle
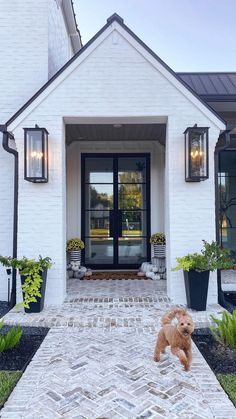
[(111, 223), (120, 229)]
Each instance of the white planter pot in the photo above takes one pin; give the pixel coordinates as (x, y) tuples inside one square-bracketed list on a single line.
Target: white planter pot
[(75, 256), (159, 250)]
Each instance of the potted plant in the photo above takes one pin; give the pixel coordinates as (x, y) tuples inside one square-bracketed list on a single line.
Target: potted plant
[(197, 267), (159, 243), (74, 247), (33, 275)]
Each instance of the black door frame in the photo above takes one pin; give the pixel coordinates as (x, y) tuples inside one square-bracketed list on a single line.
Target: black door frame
[(115, 183)]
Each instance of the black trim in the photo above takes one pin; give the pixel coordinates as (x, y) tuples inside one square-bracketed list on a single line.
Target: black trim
[(116, 17), (226, 136), (110, 20), (116, 214), (219, 98), (8, 149)]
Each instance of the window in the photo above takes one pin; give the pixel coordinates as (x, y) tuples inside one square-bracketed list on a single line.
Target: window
[(227, 196)]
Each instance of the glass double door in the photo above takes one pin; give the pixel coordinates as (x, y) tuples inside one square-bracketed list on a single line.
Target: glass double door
[(115, 210)]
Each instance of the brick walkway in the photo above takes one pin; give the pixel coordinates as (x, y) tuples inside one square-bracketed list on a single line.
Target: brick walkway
[(102, 366)]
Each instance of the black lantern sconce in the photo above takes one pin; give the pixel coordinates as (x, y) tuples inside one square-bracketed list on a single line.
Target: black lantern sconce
[(196, 154), (36, 155)]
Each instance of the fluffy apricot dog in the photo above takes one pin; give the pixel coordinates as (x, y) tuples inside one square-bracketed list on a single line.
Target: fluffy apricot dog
[(177, 337)]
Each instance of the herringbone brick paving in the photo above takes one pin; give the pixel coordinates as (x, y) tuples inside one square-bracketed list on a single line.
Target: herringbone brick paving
[(102, 367)]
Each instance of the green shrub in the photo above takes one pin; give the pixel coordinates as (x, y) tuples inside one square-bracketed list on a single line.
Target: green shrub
[(10, 339), (31, 269), (225, 329), (211, 258)]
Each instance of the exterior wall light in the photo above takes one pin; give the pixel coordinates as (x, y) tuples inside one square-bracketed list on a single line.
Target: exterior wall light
[(196, 154), (36, 155)]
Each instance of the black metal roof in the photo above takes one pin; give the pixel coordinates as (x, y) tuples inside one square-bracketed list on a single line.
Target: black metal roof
[(117, 18), (212, 86)]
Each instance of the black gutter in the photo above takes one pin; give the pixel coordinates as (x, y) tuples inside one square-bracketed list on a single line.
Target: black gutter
[(5, 143), (226, 136)]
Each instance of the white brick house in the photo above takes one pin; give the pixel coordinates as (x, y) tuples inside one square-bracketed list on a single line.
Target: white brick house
[(114, 105)]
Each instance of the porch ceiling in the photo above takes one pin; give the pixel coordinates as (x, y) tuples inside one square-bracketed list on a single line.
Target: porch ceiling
[(115, 132)]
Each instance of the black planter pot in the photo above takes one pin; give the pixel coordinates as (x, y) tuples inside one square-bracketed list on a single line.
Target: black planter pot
[(196, 286), (39, 304)]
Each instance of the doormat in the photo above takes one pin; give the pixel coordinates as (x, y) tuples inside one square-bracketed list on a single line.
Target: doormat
[(115, 275)]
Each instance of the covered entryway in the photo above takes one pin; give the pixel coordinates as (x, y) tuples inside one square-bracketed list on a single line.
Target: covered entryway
[(115, 215), (109, 169)]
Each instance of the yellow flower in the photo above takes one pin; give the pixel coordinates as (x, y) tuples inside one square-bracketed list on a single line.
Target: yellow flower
[(74, 244)]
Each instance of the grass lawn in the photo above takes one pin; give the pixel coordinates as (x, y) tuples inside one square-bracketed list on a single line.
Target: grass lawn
[(228, 382), (8, 380)]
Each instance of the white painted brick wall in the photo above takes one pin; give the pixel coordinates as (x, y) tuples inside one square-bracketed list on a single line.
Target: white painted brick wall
[(59, 43), (116, 80), (33, 44), (24, 52), (23, 45)]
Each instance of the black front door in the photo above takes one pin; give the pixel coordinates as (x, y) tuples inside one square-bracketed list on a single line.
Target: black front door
[(115, 210)]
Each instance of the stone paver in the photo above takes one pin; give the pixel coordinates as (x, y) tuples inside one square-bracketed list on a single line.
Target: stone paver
[(103, 303), (102, 366)]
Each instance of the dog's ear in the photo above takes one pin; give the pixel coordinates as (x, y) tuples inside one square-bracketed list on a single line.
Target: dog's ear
[(180, 313)]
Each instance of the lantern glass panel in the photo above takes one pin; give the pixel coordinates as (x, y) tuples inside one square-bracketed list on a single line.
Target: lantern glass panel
[(198, 154), (34, 157)]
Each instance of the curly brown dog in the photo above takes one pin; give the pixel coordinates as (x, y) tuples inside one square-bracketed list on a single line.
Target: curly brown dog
[(178, 337)]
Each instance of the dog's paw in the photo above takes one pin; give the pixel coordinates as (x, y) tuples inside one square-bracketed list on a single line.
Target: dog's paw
[(156, 358)]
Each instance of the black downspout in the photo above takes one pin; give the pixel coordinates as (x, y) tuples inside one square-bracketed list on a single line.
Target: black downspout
[(226, 136), (5, 143)]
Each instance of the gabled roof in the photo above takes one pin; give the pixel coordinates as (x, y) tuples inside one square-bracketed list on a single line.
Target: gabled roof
[(212, 86), (114, 18)]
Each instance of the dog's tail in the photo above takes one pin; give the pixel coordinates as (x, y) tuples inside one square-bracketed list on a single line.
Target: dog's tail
[(175, 312)]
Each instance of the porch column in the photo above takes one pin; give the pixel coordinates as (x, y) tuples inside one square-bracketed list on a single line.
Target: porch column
[(189, 207), (42, 209)]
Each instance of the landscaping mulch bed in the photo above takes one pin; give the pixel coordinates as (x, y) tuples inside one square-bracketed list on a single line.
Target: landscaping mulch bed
[(220, 358), (18, 358), (4, 308)]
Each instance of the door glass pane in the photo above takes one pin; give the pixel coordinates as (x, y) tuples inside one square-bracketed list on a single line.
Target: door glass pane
[(99, 250), (132, 196), (115, 226), (99, 170), (132, 170), (99, 197), (228, 240), (132, 250), (228, 163), (97, 223), (133, 223), (227, 195)]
